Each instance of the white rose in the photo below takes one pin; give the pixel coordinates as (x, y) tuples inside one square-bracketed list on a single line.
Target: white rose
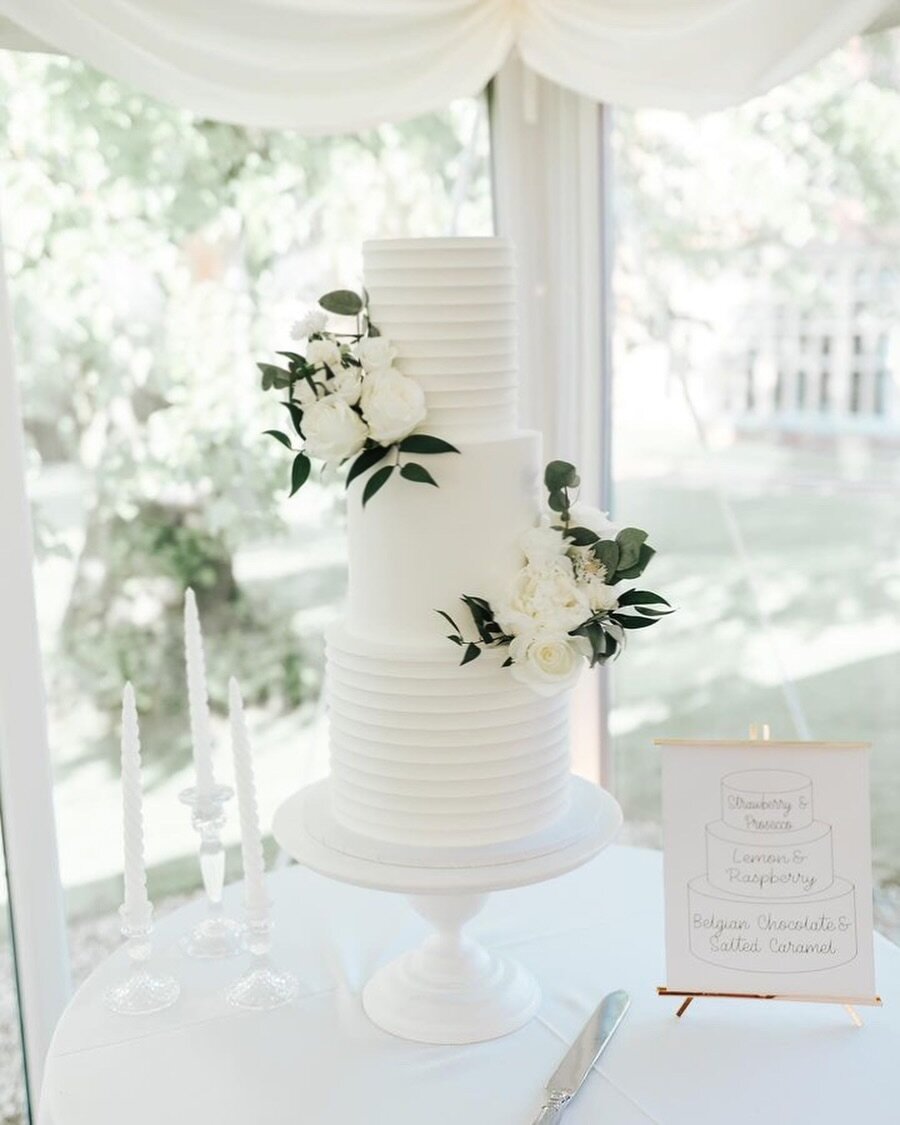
[(306, 394), (333, 430), (602, 598), (393, 405), (347, 384), (375, 352), (546, 596), (324, 353), (547, 661), (584, 515), (542, 544), (314, 321)]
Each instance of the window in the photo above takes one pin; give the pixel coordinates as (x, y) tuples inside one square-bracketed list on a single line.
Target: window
[(153, 257), (757, 421)]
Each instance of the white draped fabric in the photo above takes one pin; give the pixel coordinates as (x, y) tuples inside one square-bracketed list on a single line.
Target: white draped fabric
[(327, 66)]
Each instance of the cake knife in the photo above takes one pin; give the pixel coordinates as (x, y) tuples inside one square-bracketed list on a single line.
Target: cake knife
[(566, 1080)]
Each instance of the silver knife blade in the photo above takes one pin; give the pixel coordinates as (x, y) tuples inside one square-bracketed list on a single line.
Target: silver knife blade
[(566, 1080)]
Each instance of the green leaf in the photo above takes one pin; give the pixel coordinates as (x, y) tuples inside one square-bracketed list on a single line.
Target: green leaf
[(296, 416), (558, 501), (606, 552), (645, 554), (279, 436), (449, 620), (273, 376), (628, 622), (376, 481), (630, 540), (294, 357), (425, 443), (582, 536), (300, 472), (472, 651), (559, 475), (366, 460), (342, 302), (641, 597), (644, 611), (508, 662), (417, 473)]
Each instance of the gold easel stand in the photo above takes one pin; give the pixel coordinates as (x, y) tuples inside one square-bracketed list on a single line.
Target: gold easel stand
[(760, 732), (849, 1003)]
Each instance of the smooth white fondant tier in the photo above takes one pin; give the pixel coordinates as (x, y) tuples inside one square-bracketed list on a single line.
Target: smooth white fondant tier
[(767, 800), (415, 549), (785, 865), (434, 754), (795, 935), (449, 307)]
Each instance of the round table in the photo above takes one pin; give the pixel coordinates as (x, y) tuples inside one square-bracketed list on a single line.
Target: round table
[(320, 1060)]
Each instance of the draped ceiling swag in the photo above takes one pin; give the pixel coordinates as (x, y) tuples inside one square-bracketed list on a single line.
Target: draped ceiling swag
[(327, 66)]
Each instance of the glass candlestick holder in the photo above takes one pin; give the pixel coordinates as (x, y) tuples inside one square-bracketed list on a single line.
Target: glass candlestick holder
[(263, 986), (216, 935), (142, 991)]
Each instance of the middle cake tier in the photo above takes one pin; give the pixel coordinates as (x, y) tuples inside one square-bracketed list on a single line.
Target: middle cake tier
[(425, 753), (415, 549)]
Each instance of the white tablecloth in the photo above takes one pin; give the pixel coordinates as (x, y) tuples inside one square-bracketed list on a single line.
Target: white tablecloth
[(320, 1060)]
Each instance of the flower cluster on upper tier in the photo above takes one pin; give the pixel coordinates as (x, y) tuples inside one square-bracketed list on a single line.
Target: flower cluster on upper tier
[(570, 603), (348, 401)]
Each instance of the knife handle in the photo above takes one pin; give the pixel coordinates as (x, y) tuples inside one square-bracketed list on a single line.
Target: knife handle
[(552, 1110)]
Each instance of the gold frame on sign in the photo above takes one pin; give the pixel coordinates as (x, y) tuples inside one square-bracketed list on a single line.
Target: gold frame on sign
[(759, 737)]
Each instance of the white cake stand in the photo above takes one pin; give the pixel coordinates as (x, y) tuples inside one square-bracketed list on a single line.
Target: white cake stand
[(450, 989)]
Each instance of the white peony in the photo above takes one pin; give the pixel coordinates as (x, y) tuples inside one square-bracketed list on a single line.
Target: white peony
[(321, 353), (585, 515), (393, 404), (546, 596), (314, 321), (542, 544), (602, 598), (376, 352), (333, 430), (547, 661), (347, 384)]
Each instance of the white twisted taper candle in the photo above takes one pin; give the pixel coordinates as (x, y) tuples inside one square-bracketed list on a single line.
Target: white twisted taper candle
[(198, 702), (255, 898), (136, 907)]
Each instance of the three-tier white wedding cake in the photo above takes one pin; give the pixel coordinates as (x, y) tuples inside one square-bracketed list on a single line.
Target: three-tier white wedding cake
[(423, 751)]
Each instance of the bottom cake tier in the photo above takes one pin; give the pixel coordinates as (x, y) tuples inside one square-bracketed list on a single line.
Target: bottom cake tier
[(809, 932), (427, 753)]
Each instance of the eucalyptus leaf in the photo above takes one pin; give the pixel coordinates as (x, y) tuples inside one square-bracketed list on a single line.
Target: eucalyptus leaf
[(645, 554), (418, 473), (342, 302), (559, 475), (582, 536), (425, 443), (376, 481), (364, 461), (606, 552), (300, 472), (630, 540), (558, 502)]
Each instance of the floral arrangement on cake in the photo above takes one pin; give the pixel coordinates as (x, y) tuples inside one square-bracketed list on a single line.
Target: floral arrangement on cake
[(348, 402), (570, 603)]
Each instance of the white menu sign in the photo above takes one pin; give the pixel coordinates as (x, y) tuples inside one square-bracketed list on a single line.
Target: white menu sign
[(768, 868)]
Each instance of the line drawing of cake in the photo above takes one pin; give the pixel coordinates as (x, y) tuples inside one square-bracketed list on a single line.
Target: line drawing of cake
[(770, 901)]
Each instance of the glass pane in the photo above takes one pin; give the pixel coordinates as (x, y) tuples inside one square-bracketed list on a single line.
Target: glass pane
[(154, 258), (13, 1097), (757, 421)]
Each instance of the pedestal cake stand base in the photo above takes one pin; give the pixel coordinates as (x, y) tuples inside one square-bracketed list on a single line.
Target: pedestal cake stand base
[(450, 989)]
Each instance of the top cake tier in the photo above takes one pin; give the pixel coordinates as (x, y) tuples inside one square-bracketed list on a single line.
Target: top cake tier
[(449, 307), (767, 800)]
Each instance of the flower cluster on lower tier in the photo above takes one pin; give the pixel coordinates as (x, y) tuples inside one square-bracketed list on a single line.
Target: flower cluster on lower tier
[(347, 400), (570, 603)]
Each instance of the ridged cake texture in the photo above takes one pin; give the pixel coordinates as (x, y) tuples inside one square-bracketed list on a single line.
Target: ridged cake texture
[(423, 751)]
